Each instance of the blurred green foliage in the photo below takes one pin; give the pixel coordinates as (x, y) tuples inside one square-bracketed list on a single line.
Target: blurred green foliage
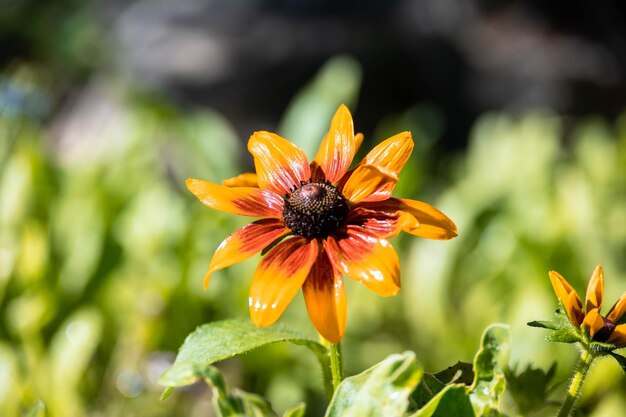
[(102, 250)]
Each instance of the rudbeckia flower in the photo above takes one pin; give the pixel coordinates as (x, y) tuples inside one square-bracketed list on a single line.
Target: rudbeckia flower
[(599, 328), (320, 221)]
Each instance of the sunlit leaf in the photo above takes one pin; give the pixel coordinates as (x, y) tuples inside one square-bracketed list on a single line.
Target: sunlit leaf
[(221, 340), (382, 390), (297, 411), (489, 365)]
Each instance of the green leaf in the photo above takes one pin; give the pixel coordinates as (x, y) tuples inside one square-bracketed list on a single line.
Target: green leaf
[(530, 388), (545, 324), (297, 411), (36, 410), (453, 400), (253, 405), (166, 393), (221, 340), (565, 335), (382, 390), (237, 403), (563, 330), (620, 359), (489, 365), (432, 384), (428, 388)]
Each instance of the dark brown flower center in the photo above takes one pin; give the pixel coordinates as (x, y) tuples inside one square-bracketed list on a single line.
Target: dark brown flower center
[(315, 209), (605, 331)]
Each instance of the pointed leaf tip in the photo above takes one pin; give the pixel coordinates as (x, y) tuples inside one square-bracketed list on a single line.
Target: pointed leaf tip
[(221, 340), (543, 324)]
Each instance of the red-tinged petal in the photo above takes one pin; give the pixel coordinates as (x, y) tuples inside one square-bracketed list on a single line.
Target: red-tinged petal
[(619, 308), (317, 173), (244, 201), (244, 243), (566, 293), (279, 277), (367, 259), (338, 147), (247, 179), (417, 218), (573, 309), (381, 224), (618, 337), (280, 165), (595, 290), (369, 183), (325, 298), (391, 155), (593, 322)]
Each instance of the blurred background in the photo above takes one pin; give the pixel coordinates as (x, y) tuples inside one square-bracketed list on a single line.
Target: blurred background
[(516, 108)]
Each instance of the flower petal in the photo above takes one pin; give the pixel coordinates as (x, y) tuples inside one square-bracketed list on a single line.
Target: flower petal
[(244, 201), (325, 298), (244, 243), (247, 179), (593, 321), (595, 290), (381, 224), (617, 311), (367, 259), (280, 165), (618, 337), (358, 141), (566, 293), (417, 218), (562, 288), (391, 154), (279, 277), (369, 183), (338, 147)]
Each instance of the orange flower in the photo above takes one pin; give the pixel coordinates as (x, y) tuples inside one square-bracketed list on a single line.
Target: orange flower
[(600, 328), (334, 222)]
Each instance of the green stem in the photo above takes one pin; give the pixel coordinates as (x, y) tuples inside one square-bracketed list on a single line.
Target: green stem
[(582, 367), (323, 357), (336, 364)]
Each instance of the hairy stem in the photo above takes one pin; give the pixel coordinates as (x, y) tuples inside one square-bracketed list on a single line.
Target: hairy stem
[(336, 364), (323, 357), (573, 392)]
